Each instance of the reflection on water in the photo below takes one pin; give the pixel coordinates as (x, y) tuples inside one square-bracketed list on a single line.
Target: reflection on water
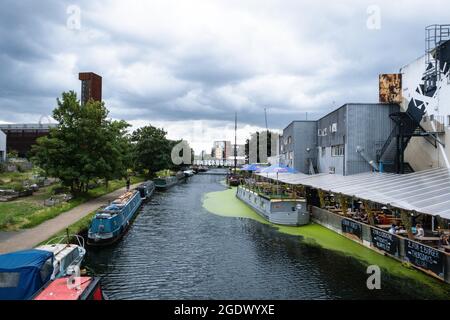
[(177, 250)]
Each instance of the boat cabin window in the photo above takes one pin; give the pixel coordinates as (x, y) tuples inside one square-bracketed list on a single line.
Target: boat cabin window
[(47, 269), (9, 279)]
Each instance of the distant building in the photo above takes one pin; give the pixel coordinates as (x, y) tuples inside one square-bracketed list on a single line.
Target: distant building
[(2, 146), (91, 86), (298, 146), (20, 137), (261, 146), (221, 150), (240, 150)]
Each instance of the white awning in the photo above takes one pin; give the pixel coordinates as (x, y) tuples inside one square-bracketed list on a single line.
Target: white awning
[(425, 191)]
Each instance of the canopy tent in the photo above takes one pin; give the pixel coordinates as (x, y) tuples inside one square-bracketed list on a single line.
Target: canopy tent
[(425, 191), (252, 167), (24, 272), (275, 168)]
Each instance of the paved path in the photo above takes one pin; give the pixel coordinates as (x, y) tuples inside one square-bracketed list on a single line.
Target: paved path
[(29, 238)]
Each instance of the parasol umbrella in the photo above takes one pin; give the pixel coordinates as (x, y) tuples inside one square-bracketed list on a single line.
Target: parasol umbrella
[(276, 168)]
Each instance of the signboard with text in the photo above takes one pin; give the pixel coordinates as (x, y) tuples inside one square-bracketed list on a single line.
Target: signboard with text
[(425, 257), (384, 241), (351, 227)]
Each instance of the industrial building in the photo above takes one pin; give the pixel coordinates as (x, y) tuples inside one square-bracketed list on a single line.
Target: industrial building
[(20, 137), (346, 141), (350, 137), (298, 146), (2, 146)]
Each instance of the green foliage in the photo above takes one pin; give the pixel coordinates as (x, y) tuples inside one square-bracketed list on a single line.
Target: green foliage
[(164, 173), (12, 154), (152, 149), (85, 145)]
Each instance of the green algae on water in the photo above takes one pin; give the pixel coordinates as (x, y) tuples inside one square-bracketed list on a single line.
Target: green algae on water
[(224, 203)]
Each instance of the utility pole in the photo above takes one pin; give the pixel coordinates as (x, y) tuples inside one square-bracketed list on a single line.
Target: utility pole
[(235, 141)]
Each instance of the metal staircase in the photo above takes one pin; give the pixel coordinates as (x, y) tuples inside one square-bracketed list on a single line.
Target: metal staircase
[(407, 125)]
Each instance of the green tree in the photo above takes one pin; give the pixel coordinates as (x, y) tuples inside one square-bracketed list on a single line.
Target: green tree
[(151, 149), (84, 146)]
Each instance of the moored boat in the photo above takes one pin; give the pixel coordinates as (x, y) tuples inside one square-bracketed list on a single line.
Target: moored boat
[(146, 190), (71, 288), (111, 223), (67, 257), (163, 183), (23, 273), (188, 173), (276, 209)]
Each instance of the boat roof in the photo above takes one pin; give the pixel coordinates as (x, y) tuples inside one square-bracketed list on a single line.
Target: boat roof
[(61, 289), (22, 273), (59, 250), (426, 191), (33, 258)]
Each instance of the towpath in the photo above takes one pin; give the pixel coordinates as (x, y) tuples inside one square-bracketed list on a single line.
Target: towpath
[(29, 238)]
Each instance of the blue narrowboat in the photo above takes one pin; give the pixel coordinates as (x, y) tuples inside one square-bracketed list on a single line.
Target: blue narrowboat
[(110, 223)]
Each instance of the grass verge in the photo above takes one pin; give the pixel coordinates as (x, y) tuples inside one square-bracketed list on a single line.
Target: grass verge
[(29, 212)]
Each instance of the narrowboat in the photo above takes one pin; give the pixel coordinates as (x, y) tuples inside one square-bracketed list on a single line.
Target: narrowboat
[(164, 183), (72, 288), (274, 208), (146, 190), (23, 273), (111, 223)]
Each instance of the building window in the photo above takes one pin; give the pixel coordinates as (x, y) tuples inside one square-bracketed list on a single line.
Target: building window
[(289, 139), (323, 151), (337, 151)]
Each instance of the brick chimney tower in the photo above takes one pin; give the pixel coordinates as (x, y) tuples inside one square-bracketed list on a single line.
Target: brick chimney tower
[(91, 87)]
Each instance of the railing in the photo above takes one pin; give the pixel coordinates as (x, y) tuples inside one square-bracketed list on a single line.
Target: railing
[(333, 221)]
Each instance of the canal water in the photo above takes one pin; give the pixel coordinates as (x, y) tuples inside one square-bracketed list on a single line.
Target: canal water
[(176, 249)]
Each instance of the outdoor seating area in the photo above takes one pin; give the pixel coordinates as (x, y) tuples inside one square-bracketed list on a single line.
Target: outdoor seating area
[(389, 202), (390, 220)]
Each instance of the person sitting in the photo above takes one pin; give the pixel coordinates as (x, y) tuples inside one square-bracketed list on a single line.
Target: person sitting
[(392, 229), (444, 240), (420, 231)]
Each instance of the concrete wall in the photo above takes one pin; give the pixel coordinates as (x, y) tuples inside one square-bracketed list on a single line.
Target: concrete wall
[(2, 146), (298, 136)]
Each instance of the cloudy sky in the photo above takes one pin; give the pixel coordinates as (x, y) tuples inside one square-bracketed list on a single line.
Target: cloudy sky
[(188, 66)]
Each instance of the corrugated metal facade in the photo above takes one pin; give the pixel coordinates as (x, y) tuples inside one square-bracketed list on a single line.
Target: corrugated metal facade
[(298, 136), (352, 125)]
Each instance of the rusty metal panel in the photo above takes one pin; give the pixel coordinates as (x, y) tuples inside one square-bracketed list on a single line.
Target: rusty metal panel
[(390, 88)]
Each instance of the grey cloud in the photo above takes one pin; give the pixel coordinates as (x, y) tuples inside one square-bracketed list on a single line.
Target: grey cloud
[(205, 81)]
